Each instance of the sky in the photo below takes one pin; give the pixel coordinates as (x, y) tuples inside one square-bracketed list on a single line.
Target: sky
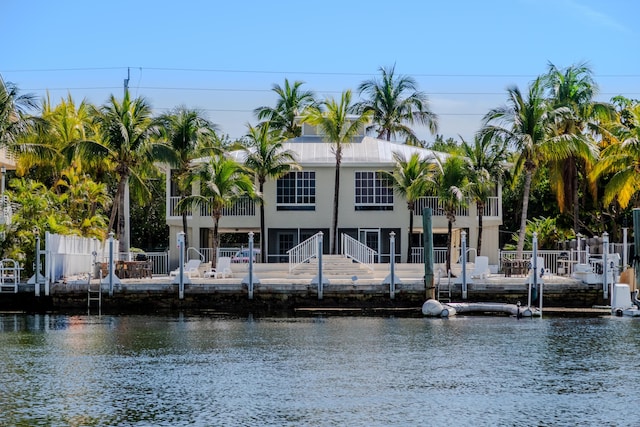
[(223, 57)]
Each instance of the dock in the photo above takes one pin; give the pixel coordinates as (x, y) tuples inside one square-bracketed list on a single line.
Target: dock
[(297, 294)]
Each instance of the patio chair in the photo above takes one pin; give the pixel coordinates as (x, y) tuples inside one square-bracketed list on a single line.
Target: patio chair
[(190, 268), (222, 269)]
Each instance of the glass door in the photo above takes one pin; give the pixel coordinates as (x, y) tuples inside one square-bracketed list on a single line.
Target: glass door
[(371, 238)]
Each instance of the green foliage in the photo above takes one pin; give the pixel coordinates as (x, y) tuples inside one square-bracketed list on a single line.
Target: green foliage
[(548, 232)]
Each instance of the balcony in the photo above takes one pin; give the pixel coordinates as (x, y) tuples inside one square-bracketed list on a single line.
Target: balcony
[(243, 207), (491, 209)]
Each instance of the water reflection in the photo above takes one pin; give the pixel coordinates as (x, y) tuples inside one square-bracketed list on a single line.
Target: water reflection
[(197, 370)]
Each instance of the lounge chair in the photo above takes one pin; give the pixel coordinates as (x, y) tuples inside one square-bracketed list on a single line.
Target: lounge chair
[(190, 268), (223, 269)]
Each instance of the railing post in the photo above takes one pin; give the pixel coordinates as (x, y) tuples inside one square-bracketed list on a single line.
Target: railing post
[(463, 235), (320, 288)]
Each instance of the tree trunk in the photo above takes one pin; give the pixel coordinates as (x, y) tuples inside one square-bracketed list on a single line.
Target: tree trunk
[(525, 207), (409, 240), (184, 226), (576, 207), (216, 239), (123, 239), (336, 194), (480, 208)]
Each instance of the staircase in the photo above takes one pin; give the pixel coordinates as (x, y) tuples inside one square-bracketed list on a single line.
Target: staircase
[(335, 267)]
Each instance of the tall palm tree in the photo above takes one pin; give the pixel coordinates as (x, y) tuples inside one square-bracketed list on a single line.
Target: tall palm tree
[(396, 104), (450, 184), (125, 130), (574, 90), (525, 124), (291, 104), (14, 121), (190, 135), (267, 158), (411, 178), (45, 152), (487, 165), (222, 182), (339, 122), (621, 159)]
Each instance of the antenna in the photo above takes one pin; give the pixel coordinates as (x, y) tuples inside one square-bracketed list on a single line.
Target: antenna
[(126, 81)]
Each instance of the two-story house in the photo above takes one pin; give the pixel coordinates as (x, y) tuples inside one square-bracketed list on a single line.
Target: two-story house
[(300, 204)]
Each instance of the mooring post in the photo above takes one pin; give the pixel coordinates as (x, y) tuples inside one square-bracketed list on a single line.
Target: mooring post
[(181, 272), (251, 265), (320, 280), (111, 263), (36, 232), (605, 265), (463, 236), (428, 253), (392, 256)]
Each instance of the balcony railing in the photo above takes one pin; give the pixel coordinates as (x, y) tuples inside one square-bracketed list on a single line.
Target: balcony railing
[(491, 208), (242, 207), (437, 207)]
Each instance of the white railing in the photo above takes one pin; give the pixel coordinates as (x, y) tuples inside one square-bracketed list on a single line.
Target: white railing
[(173, 207), (491, 207), (439, 255), (303, 252), (9, 275), (241, 207), (553, 259), (437, 208), (358, 251)]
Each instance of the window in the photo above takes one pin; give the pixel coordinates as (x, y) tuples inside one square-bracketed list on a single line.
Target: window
[(296, 191), (373, 192)]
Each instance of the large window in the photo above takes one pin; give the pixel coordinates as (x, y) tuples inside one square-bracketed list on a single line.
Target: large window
[(373, 192), (296, 191)]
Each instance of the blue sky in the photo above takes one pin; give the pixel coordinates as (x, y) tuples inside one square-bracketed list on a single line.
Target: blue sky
[(224, 56)]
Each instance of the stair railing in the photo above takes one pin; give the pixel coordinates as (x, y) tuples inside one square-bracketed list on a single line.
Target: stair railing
[(358, 251), (303, 252)]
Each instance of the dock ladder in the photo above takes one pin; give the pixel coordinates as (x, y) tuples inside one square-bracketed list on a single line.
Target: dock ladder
[(94, 294), (443, 290)]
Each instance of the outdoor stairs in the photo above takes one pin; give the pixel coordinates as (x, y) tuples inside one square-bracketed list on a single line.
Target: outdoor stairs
[(335, 267)]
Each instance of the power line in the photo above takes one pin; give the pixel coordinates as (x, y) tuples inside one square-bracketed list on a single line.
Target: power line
[(301, 72)]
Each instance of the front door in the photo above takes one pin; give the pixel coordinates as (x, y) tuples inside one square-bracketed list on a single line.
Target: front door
[(371, 238)]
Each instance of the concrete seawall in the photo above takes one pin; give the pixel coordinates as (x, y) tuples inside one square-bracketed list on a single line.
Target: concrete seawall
[(272, 295)]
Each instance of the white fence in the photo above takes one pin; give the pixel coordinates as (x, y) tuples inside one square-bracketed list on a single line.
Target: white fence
[(67, 256)]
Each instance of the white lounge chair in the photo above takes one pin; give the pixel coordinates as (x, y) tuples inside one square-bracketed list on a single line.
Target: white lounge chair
[(481, 268), (190, 268), (223, 269)]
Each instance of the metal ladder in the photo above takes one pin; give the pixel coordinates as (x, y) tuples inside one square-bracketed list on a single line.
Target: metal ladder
[(94, 295), (443, 294)]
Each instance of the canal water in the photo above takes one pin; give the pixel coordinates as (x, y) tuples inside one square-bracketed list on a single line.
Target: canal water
[(58, 370)]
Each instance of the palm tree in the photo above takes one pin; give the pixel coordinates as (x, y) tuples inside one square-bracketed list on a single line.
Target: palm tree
[(189, 134), (46, 151), (222, 183), (574, 90), (267, 158), (411, 178), (486, 157), (339, 123), (125, 131), (525, 124), (14, 121), (395, 102), (292, 103), (450, 185), (621, 159)]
